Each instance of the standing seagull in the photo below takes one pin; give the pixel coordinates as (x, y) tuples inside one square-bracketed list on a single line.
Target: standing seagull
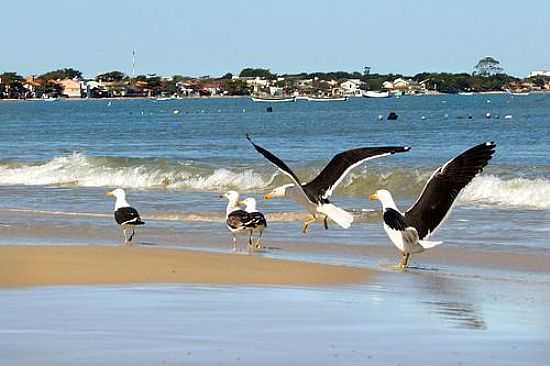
[(127, 217), (238, 221), (257, 222), (315, 194), (410, 231)]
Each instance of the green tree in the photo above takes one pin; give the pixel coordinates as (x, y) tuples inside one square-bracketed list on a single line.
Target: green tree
[(235, 87), (8, 78), (67, 73), (111, 76), (538, 81), (178, 78), (252, 73), (488, 66), (445, 82), (11, 85)]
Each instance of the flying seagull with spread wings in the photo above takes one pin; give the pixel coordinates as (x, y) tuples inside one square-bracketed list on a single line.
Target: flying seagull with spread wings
[(410, 231), (314, 196)]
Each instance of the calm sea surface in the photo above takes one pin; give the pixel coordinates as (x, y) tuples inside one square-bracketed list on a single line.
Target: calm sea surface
[(175, 157)]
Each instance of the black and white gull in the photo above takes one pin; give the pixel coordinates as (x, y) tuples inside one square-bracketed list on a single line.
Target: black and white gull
[(240, 221), (314, 196), (125, 215), (257, 222), (411, 230)]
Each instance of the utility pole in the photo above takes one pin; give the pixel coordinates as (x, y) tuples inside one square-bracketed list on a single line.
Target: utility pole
[(133, 65)]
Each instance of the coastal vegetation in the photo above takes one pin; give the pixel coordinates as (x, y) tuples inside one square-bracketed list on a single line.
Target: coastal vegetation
[(487, 76), (61, 74), (253, 73)]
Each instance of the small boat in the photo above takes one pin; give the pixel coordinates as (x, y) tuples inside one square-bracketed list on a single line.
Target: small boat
[(300, 97), (329, 99), (163, 99), (520, 94), (273, 100), (466, 93), (376, 94)]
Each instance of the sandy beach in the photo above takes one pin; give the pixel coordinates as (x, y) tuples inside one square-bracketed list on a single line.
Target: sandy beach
[(72, 265), (90, 305), (94, 303)]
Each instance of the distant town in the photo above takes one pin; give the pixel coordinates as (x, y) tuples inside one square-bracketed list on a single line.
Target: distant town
[(487, 76)]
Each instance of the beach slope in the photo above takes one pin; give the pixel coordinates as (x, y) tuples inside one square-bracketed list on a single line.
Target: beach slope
[(22, 266)]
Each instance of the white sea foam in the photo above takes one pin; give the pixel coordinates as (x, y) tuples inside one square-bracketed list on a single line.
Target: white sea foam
[(224, 178), (284, 216), (508, 193), (80, 170)]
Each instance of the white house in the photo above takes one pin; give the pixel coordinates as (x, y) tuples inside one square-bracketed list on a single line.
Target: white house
[(351, 87), (257, 83), (71, 88)]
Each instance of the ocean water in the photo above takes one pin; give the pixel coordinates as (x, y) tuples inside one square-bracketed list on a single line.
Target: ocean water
[(174, 158)]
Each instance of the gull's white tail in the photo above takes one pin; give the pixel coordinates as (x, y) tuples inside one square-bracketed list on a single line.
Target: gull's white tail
[(429, 244), (339, 216)]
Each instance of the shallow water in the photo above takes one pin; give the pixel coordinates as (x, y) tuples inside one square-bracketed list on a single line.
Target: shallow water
[(61, 157), (396, 319)]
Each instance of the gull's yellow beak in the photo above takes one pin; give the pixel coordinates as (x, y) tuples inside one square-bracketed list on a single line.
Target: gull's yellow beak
[(242, 203), (109, 194), (373, 197), (268, 196)]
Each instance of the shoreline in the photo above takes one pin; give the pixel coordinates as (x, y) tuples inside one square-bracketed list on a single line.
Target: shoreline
[(154, 99), (36, 265)]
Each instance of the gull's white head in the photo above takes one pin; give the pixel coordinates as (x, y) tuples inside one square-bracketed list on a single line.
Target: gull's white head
[(232, 196), (278, 192), (384, 197), (249, 204), (117, 193), (120, 197)]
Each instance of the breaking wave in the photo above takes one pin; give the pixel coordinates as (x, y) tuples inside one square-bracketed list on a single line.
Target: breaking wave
[(82, 171), (502, 189), (508, 193)]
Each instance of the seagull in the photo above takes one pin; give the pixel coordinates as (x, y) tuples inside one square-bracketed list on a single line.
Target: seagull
[(314, 196), (238, 221), (257, 221), (410, 231), (127, 217)]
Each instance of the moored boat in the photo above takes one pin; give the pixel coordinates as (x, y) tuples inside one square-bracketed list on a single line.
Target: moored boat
[(273, 100), (376, 94), (328, 99)]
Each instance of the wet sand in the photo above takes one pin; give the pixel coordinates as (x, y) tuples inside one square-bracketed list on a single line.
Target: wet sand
[(398, 319), (378, 253), (64, 265)]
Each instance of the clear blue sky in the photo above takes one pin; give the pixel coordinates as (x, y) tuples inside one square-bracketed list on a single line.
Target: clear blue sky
[(214, 37)]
